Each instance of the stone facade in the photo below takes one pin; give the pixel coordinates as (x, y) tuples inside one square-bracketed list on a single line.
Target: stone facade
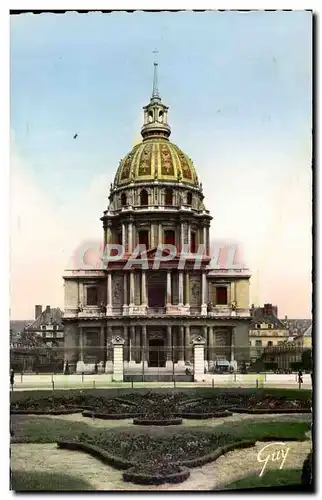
[(156, 198)]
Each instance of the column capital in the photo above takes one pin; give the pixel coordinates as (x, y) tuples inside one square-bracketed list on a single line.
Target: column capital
[(118, 340)]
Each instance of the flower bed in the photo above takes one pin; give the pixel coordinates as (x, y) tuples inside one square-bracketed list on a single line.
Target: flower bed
[(268, 411), (201, 415), (157, 421), (161, 460), (62, 411), (75, 403), (109, 416), (159, 473), (148, 448)]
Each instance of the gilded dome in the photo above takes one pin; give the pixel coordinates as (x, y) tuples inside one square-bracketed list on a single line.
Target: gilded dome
[(156, 159)]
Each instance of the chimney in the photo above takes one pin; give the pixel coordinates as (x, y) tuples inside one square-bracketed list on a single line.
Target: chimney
[(38, 311), (47, 309), (268, 309)]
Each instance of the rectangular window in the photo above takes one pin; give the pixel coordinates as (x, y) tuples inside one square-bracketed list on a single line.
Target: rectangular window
[(193, 242), (144, 238), (258, 343), (91, 296), (119, 238), (169, 237), (269, 343), (221, 295)]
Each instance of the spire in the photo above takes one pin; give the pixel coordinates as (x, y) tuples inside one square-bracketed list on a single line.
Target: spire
[(155, 91), (155, 113)]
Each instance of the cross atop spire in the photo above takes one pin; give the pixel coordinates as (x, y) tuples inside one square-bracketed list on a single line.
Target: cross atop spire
[(155, 90)]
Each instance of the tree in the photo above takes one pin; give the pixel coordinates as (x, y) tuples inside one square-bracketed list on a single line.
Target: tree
[(307, 360)]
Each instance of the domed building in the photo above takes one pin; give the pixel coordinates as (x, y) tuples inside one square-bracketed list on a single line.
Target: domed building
[(156, 305)]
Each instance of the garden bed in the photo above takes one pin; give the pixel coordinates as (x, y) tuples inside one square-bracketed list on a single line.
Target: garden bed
[(202, 416), (151, 447), (109, 416), (270, 411), (60, 405), (157, 421), (157, 474), (63, 411)]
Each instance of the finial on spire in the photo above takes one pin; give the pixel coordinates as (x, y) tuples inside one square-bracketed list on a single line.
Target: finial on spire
[(155, 90)]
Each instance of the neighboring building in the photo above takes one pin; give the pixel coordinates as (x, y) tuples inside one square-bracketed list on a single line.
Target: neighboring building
[(290, 353), (156, 198), (304, 341), (16, 328), (49, 326), (266, 330), (297, 326)]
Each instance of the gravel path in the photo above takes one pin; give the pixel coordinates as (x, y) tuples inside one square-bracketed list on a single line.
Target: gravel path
[(228, 468), (47, 457)]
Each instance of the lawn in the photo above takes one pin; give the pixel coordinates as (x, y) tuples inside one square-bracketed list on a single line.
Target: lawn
[(271, 478), (46, 481), (50, 430)]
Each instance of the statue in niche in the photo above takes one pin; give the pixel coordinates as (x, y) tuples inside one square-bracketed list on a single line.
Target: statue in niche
[(209, 306), (195, 290), (117, 291)]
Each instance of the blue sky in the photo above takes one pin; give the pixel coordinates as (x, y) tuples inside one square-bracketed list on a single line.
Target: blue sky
[(239, 90)]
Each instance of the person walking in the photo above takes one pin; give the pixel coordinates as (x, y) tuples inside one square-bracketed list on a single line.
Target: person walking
[(300, 377)]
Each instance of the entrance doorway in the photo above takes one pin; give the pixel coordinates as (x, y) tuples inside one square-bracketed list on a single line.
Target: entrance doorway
[(156, 353)]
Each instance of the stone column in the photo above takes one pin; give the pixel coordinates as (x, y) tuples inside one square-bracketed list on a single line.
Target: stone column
[(169, 293), (232, 347), (108, 233), (144, 356), (181, 236), (109, 357), (187, 355), (124, 237), (160, 239), (189, 236), (126, 343), (204, 236), (80, 362), (169, 360), (118, 373), (132, 297), (132, 346), (180, 288), (203, 294), (130, 238), (204, 334), (109, 293), (125, 298), (181, 346), (210, 346), (143, 288), (187, 290), (199, 359), (102, 343), (81, 345)]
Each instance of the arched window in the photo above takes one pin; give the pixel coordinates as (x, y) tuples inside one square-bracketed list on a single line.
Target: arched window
[(123, 200), (144, 198), (189, 199), (168, 197)]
